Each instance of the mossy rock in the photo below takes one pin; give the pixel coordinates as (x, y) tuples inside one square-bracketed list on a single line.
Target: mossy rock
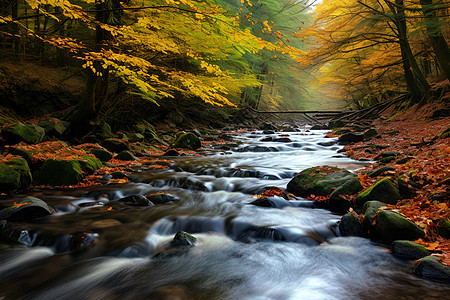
[(393, 226), (126, 155), (443, 226), (388, 159), (60, 172), (188, 141), (383, 191), (14, 175), (337, 201), (369, 210), (335, 124), (183, 238), (351, 226), (25, 154), (136, 200), (102, 155), (135, 137), (19, 132), (445, 134), (53, 127), (115, 145), (26, 209), (320, 181), (389, 153), (351, 137), (379, 171), (430, 267), (89, 164), (409, 250), (370, 133)]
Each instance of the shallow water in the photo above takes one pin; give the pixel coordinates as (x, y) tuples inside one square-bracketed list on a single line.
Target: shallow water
[(106, 250)]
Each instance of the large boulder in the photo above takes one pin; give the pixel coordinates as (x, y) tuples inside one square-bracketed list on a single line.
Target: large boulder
[(18, 132), (126, 155), (392, 226), (383, 191), (188, 140), (14, 175), (60, 172), (320, 181), (409, 250), (115, 145), (338, 198), (26, 209), (351, 137), (430, 267), (53, 127), (102, 155)]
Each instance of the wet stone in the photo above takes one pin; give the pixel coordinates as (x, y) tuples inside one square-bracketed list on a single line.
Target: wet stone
[(26, 209), (136, 200)]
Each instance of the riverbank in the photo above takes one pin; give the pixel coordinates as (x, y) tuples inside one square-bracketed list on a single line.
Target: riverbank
[(418, 146)]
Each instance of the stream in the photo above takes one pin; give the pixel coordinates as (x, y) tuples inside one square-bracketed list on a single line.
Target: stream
[(95, 247)]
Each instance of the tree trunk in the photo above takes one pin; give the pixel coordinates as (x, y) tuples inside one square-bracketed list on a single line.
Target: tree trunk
[(434, 33)]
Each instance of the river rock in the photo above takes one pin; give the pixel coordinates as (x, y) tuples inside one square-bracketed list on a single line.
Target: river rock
[(26, 209), (430, 267), (350, 225), (53, 126), (257, 149), (392, 226), (89, 164), (188, 141), (379, 171), (369, 210), (126, 155), (268, 126), (283, 140), (443, 226), (388, 154), (18, 132), (335, 124), (351, 137), (319, 127), (136, 200), (338, 202), (383, 191), (162, 198), (268, 132), (14, 175), (171, 152), (274, 202), (115, 145), (409, 250), (102, 155), (320, 181), (60, 172), (370, 133), (183, 238)]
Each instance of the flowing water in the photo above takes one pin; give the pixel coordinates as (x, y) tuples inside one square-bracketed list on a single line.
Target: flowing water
[(95, 247)]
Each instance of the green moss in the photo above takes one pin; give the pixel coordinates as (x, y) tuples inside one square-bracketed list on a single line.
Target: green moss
[(101, 154), (383, 191), (14, 174), (409, 250), (393, 227), (28, 133), (188, 141), (60, 172), (320, 181), (89, 164)]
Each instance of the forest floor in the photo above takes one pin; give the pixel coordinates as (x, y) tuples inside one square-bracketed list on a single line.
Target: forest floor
[(416, 136)]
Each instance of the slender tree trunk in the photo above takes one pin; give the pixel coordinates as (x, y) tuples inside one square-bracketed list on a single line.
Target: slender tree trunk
[(434, 33), (408, 59)]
